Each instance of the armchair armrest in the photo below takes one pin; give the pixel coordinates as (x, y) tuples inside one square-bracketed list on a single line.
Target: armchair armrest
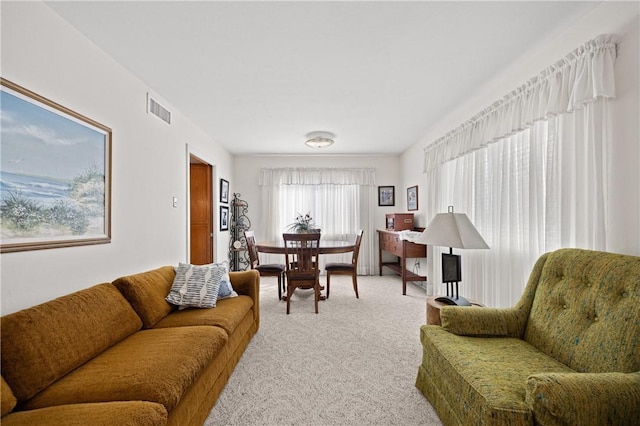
[(584, 398), (475, 321)]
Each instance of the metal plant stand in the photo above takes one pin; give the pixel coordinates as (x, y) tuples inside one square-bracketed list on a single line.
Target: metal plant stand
[(238, 254)]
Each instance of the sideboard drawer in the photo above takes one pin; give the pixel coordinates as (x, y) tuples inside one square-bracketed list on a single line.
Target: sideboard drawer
[(390, 242)]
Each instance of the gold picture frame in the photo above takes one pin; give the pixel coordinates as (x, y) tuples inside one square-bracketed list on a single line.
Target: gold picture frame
[(56, 174)]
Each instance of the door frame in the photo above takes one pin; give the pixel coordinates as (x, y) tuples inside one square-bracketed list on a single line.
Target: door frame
[(214, 197)]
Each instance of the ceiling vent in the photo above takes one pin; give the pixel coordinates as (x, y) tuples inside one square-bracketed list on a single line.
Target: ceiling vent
[(158, 110)]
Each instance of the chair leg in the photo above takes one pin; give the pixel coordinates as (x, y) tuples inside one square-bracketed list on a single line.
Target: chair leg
[(289, 294), (284, 282), (355, 284), (316, 291), (280, 287), (328, 283)]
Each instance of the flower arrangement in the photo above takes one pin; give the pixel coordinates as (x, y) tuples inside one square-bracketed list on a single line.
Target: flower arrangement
[(301, 224)]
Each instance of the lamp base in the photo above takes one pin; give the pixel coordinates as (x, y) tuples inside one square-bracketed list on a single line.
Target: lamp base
[(450, 300)]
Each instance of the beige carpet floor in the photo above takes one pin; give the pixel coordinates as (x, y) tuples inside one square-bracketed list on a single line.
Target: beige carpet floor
[(354, 363)]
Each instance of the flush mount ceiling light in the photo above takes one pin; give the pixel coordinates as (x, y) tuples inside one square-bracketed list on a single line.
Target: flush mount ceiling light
[(319, 139)]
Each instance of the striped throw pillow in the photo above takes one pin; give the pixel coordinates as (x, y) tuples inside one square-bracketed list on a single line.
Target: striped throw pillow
[(196, 286), (226, 289)]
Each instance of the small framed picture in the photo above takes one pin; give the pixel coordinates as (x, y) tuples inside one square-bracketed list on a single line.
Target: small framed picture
[(386, 195), (224, 191), (224, 218), (412, 198)]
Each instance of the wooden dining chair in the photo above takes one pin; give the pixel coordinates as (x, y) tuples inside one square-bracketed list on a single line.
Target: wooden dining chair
[(346, 268), (301, 258), (266, 270)]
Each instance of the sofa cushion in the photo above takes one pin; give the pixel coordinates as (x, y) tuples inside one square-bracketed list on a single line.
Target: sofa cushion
[(586, 311), (196, 286), (146, 292), (43, 343), (9, 401), (227, 315), (463, 369), (129, 413), (156, 365)]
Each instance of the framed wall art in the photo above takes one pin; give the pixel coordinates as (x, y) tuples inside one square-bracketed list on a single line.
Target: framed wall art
[(412, 198), (224, 218), (56, 174), (386, 196), (224, 191)]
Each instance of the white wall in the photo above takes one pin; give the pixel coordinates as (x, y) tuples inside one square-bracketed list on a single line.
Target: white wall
[(387, 174), (42, 53), (247, 168), (619, 18)]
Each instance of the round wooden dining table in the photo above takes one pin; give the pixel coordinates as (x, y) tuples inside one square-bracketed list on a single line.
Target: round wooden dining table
[(326, 246)]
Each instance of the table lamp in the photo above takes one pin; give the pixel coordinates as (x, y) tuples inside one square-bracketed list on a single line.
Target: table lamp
[(452, 230)]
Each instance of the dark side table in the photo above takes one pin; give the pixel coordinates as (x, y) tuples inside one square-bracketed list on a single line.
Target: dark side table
[(433, 309)]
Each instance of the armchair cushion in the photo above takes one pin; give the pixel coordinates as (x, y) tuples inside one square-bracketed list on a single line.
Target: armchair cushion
[(464, 368)]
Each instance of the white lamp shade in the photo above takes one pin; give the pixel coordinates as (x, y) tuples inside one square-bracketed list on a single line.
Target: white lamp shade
[(452, 230)]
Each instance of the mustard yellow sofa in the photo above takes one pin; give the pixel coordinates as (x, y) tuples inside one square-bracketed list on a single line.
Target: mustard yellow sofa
[(568, 353), (119, 354)]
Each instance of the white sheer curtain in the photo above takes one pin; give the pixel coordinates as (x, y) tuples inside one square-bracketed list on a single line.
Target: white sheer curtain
[(339, 200), (530, 172)]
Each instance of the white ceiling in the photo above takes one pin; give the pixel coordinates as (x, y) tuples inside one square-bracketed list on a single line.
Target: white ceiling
[(258, 76)]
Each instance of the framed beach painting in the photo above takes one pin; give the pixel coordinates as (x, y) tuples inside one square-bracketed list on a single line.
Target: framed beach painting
[(55, 174)]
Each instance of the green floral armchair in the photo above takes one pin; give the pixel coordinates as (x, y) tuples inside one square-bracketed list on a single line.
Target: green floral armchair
[(568, 353)]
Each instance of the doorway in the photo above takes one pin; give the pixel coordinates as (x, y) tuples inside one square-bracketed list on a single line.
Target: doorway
[(200, 211)]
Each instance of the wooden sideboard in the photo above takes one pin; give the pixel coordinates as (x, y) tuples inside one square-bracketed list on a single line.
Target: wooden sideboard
[(390, 242)]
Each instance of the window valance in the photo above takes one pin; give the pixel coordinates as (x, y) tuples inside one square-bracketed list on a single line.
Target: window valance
[(583, 76), (316, 176)]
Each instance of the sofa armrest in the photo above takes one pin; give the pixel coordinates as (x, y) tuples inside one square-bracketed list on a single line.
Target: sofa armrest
[(476, 321), (584, 398), (246, 282)]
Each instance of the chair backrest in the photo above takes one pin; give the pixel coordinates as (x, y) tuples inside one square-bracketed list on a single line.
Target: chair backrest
[(356, 250), (301, 255), (254, 259)]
